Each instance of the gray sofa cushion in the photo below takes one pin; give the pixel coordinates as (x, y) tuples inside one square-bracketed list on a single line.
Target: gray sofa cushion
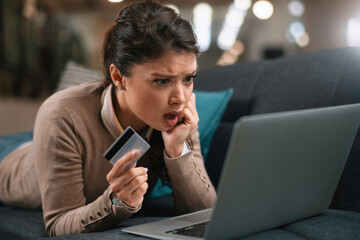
[(20, 223), (311, 80), (218, 149), (28, 224), (333, 224)]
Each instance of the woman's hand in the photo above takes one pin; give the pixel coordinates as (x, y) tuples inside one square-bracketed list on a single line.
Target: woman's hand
[(174, 139), (130, 186)]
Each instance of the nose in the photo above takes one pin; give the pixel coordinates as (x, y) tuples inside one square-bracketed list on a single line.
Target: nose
[(177, 95)]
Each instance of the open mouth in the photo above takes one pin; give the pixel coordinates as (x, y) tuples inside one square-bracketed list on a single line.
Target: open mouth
[(171, 119), (170, 116)]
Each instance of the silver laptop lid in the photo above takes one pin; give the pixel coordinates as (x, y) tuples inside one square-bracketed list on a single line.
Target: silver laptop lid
[(285, 166)]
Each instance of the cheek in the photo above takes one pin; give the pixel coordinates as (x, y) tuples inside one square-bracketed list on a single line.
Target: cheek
[(149, 101), (188, 94)]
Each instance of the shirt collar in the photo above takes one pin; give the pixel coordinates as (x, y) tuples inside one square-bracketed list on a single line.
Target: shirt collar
[(109, 117)]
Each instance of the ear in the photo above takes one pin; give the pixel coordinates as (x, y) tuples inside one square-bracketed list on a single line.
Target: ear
[(116, 76)]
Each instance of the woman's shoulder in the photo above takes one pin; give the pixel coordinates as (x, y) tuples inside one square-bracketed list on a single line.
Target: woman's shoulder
[(89, 89), (73, 99), (82, 92)]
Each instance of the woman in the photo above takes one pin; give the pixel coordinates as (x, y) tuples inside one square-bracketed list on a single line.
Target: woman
[(149, 64)]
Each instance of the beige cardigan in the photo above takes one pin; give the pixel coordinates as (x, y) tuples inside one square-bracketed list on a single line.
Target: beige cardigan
[(64, 172)]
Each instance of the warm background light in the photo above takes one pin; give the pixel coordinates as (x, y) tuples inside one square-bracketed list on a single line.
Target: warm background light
[(296, 8), (40, 36), (202, 24), (263, 9), (297, 34), (353, 32), (234, 20), (297, 29), (202, 14), (115, 1), (242, 4)]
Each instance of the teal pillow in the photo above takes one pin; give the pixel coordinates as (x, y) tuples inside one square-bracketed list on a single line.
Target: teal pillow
[(211, 108), (10, 142)]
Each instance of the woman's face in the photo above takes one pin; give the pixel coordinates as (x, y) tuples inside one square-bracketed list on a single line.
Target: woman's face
[(157, 91)]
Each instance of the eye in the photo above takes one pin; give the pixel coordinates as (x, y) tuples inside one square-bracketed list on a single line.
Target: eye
[(162, 82), (189, 79)]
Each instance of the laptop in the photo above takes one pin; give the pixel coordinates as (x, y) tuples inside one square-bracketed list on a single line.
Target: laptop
[(279, 168)]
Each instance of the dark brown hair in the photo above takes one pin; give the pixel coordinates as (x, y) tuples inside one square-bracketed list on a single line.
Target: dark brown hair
[(143, 31)]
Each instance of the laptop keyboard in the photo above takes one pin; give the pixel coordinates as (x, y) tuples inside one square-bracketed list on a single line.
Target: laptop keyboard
[(196, 230)]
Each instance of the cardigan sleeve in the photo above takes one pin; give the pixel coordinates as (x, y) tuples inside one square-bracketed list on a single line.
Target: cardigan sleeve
[(192, 188), (58, 153)]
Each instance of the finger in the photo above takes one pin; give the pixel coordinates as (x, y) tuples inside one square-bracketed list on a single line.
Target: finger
[(192, 105), (131, 165), (137, 197), (120, 183), (193, 98), (181, 117), (191, 118), (122, 163), (125, 160), (140, 191), (135, 183), (132, 175), (133, 193)]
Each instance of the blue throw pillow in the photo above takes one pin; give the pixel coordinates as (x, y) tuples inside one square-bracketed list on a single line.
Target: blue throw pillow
[(9, 143), (211, 107)]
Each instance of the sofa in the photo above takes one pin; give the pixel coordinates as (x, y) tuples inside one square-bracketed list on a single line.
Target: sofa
[(317, 79)]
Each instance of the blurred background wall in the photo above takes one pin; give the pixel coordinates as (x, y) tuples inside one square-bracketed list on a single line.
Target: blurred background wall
[(38, 37)]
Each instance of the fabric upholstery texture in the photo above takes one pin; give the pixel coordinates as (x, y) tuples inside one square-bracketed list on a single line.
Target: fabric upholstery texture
[(75, 74), (211, 107), (318, 79), (332, 225), (10, 142)]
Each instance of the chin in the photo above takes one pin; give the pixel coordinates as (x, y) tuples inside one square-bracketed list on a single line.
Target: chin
[(162, 128)]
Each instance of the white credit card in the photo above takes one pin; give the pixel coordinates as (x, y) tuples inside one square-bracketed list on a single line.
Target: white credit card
[(129, 140)]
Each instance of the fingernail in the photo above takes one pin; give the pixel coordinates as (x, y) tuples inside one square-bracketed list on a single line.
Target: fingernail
[(134, 152), (146, 170), (146, 176)]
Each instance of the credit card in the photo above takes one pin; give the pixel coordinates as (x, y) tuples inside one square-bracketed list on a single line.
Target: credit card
[(129, 140)]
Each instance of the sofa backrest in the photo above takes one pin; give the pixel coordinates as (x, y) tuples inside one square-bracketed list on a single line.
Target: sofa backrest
[(317, 79)]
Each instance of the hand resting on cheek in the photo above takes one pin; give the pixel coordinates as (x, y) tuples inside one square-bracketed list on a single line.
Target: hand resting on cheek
[(174, 139)]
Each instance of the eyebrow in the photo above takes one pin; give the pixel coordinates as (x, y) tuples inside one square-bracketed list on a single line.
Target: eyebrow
[(169, 75)]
